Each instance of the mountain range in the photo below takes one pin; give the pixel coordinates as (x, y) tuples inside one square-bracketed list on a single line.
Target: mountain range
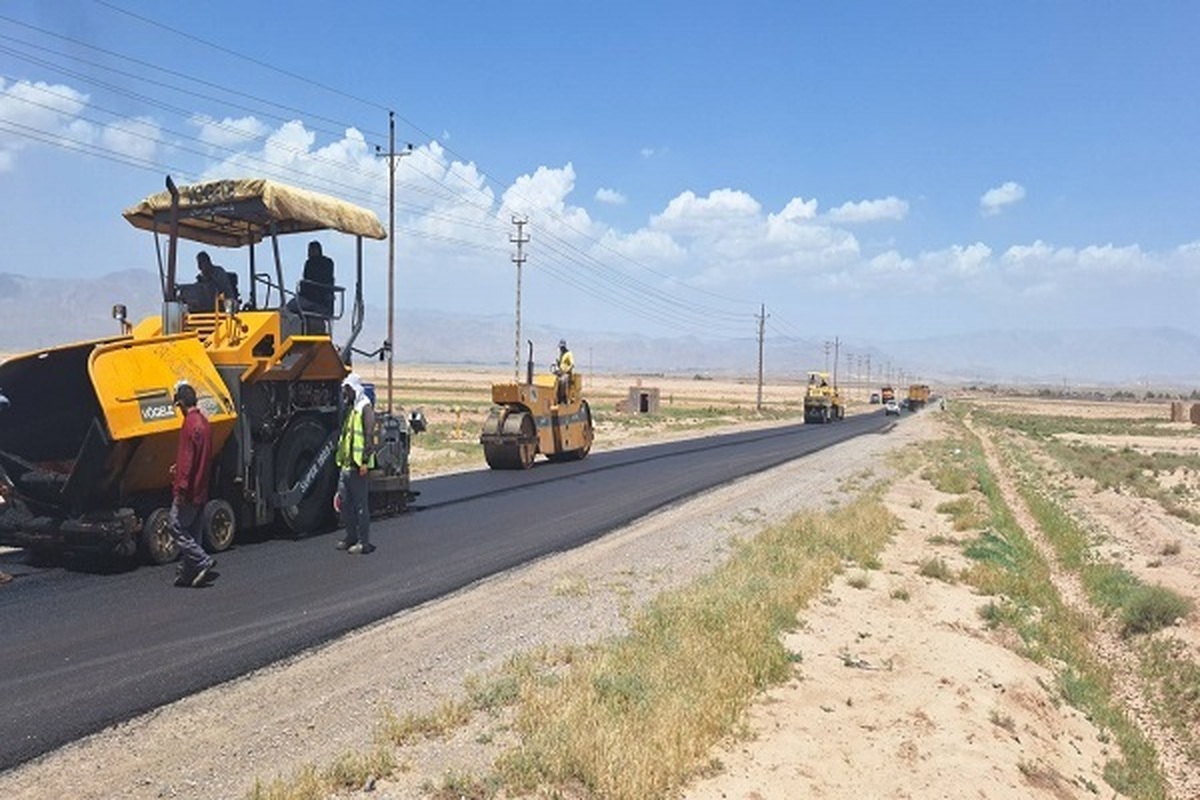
[(38, 312)]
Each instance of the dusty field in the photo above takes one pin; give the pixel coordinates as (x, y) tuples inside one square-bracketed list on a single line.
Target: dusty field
[(901, 690)]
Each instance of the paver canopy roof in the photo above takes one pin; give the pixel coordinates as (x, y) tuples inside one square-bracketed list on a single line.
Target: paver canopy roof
[(237, 212)]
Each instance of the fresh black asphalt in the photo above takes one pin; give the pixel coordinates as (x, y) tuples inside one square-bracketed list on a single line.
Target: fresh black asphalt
[(83, 647)]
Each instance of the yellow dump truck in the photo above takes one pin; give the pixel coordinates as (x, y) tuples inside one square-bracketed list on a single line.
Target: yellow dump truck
[(822, 400), (918, 396), (530, 418), (90, 433)]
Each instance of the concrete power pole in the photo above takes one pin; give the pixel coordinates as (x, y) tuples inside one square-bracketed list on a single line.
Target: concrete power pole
[(837, 344), (849, 374), (393, 157), (762, 324), (518, 258)]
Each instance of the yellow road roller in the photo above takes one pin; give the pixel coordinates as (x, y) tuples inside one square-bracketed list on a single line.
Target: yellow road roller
[(89, 434), (528, 418)]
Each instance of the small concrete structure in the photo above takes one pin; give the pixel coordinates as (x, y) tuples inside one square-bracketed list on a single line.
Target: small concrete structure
[(641, 400)]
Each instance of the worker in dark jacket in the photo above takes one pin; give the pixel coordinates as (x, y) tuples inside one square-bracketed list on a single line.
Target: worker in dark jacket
[(214, 280), (190, 489), (315, 293)]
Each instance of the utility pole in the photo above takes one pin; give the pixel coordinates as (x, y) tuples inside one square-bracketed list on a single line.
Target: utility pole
[(762, 324), (518, 258), (849, 373), (393, 157), (837, 344), (828, 345)]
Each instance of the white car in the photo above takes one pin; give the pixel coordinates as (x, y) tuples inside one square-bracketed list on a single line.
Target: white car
[(891, 407)]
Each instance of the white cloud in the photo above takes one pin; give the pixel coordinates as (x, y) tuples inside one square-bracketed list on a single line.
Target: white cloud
[(995, 200), (966, 261), (689, 213), (135, 138), (645, 246), (38, 110), (797, 209), (610, 196), (892, 208), (229, 132), (1040, 258), (890, 263), (647, 152)]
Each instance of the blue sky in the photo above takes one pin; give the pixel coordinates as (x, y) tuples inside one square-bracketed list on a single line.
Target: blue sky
[(869, 170)]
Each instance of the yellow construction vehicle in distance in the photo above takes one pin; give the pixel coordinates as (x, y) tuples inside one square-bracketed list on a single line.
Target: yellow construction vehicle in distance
[(822, 400), (918, 396), (527, 419)]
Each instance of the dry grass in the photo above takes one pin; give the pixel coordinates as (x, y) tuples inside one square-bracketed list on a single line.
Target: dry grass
[(637, 718)]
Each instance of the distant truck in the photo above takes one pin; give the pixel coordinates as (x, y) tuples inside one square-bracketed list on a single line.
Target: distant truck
[(822, 400), (887, 393), (918, 396)]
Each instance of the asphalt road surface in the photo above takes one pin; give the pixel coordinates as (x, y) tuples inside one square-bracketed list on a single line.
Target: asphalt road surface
[(82, 647)]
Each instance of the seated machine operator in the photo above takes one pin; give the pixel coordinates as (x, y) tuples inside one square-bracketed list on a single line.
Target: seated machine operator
[(315, 294), (213, 280)]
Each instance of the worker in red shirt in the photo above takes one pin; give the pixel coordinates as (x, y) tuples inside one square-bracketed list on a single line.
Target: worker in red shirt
[(190, 490)]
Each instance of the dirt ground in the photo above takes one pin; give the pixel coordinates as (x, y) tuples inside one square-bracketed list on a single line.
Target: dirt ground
[(900, 692)]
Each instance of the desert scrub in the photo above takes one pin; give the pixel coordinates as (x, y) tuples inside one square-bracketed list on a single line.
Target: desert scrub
[(1175, 678), (965, 512), (638, 717), (1152, 608), (936, 569), (949, 466), (1142, 608), (1011, 566), (1047, 427), (350, 771), (1126, 468)]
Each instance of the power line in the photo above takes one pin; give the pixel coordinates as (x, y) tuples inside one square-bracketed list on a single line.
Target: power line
[(242, 56), (603, 279), (141, 76)]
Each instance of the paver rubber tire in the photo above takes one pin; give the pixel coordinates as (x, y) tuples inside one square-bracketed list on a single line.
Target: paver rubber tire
[(219, 525), (155, 543), (298, 449)]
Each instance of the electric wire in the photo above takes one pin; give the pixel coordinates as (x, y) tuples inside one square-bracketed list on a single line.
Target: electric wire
[(615, 286), (155, 67)]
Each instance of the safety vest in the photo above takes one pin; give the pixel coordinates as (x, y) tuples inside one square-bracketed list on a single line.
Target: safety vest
[(353, 442)]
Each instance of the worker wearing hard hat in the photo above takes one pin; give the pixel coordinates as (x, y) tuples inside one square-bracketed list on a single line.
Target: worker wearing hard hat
[(355, 458), (563, 368)]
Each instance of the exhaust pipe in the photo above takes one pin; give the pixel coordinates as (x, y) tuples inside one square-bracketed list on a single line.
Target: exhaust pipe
[(172, 310)]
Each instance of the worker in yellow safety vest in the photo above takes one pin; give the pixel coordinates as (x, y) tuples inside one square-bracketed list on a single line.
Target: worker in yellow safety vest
[(563, 368), (355, 458)]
